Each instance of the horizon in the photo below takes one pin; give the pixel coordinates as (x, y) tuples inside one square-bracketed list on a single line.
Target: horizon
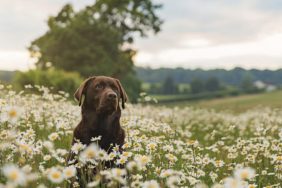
[(214, 38), (192, 69)]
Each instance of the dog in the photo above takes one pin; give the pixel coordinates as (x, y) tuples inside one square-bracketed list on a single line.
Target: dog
[(100, 98)]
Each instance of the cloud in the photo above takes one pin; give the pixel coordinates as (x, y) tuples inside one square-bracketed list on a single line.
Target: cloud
[(217, 21), (15, 60), (23, 21), (204, 33), (260, 53)]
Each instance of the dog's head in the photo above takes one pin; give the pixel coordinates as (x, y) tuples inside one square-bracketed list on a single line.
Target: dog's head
[(102, 94)]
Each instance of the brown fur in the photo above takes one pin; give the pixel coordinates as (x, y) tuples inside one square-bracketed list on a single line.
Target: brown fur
[(99, 98)]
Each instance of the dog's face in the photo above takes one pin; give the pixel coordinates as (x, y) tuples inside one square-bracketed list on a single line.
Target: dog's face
[(102, 94)]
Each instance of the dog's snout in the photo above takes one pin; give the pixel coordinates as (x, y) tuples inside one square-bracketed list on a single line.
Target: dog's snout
[(112, 96)]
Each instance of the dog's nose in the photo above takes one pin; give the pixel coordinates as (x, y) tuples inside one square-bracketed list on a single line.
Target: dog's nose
[(112, 96)]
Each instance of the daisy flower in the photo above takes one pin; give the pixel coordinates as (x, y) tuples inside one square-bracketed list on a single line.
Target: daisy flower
[(14, 174), (76, 147), (69, 172), (55, 175), (53, 136), (11, 114), (151, 184), (244, 173), (90, 153)]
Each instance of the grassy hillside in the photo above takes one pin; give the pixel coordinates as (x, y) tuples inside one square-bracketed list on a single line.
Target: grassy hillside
[(238, 104)]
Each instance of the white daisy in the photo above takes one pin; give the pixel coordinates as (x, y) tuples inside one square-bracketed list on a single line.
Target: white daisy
[(90, 153), (55, 175), (14, 174), (151, 184), (244, 173), (69, 172)]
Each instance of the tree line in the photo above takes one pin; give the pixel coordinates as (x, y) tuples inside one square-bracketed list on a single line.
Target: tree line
[(232, 77), (196, 83)]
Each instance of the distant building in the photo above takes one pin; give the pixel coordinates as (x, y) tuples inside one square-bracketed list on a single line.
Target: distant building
[(270, 88), (259, 84), (263, 86)]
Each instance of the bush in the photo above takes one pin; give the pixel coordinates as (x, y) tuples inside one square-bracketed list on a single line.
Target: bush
[(132, 87), (58, 80)]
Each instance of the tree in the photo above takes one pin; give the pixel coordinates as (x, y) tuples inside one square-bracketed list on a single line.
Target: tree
[(212, 84), (247, 84), (169, 87), (94, 40), (197, 86), (154, 88)]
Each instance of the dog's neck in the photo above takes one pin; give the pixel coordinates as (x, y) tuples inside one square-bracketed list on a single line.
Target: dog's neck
[(100, 121)]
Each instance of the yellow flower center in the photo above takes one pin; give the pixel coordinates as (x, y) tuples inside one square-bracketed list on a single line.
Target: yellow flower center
[(91, 154), (126, 145), (217, 162), (56, 175), (118, 172), (191, 142), (279, 158), (12, 113), (244, 175), (14, 175), (144, 159), (68, 172), (122, 161)]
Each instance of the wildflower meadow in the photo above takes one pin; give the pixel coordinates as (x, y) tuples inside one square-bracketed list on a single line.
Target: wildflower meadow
[(165, 147)]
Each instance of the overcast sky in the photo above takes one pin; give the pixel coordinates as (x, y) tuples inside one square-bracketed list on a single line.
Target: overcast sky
[(196, 33)]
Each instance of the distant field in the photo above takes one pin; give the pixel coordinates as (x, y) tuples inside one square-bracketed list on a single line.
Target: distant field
[(237, 104)]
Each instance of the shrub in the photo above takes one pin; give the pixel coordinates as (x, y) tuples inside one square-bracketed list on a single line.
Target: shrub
[(58, 80)]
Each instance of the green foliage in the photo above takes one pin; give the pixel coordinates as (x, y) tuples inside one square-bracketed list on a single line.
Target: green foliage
[(247, 84), (6, 76), (197, 86), (212, 84), (59, 80), (232, 77), (169, 87), (93, 40), (194, 97), (134, 89)]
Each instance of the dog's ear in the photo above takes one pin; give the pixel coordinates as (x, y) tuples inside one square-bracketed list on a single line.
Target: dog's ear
[(79, 95), (123, 94)]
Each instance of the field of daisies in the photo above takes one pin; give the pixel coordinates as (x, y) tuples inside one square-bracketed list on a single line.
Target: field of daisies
[(165, 147)]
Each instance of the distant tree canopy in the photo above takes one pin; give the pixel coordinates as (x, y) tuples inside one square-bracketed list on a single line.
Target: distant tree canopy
[(96, 40), (169, 87), (247, 84), (232, 77), (197, 86), (212, 84)]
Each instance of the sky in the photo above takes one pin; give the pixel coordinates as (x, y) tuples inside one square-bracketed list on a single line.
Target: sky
[(203, 34)]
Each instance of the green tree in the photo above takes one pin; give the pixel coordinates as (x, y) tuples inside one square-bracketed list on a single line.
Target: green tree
[(169, 87), (94, 40), (154, 88), (197, 86), (212, 84), (247, 84)]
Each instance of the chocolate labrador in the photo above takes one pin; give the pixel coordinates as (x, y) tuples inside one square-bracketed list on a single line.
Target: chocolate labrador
[(100, 98)]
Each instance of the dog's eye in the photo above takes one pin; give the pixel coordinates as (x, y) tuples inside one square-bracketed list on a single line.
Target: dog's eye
[(99, 86), (116, 90)]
